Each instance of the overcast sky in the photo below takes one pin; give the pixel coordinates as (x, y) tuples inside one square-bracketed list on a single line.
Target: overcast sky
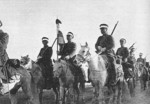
[(27, 21)]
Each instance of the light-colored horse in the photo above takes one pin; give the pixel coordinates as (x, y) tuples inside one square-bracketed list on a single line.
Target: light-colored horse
[(98, 77), (68, 80), (38, 78)]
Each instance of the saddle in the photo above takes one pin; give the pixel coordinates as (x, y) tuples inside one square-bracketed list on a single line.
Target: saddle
[(15, 63)]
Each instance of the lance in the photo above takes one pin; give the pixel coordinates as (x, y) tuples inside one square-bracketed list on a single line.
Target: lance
[(114, 28), (57, 30)]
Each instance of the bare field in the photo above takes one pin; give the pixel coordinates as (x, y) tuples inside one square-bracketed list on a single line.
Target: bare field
[(141, 97)]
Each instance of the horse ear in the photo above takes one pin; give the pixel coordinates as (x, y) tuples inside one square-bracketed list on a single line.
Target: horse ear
[(86, 44), (27, 56)]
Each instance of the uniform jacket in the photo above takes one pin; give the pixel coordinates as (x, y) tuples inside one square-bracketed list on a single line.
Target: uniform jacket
[(4, 37), (3, 41), (132, 59), (123, 51), (141, 60), (69, 49), (46, 54), (105, 41)]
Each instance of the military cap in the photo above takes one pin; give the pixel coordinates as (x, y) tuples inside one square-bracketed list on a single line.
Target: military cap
[(45, 38), (141, 54), (71, 34), (123, 40), (103, 26)]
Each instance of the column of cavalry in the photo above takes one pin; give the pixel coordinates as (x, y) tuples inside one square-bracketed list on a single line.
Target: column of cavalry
[(110, 74)]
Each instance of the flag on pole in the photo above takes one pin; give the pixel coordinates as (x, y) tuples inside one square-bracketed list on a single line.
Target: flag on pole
[(60, 37), (60, 41)]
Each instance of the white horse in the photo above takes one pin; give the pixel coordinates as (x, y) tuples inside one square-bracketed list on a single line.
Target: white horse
[(98, 76)]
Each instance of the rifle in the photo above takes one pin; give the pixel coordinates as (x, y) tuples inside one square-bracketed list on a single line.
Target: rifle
[(132, 45), (114, 28)]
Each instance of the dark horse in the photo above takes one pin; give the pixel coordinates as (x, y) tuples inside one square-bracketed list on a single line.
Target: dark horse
[(69, 79), (36, 71), (27, 83), (129, 74), (98, 77)]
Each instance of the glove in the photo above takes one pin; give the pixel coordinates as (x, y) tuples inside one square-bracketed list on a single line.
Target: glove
[(67, 57)]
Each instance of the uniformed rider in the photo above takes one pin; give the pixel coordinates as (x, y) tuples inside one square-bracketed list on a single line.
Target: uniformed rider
[(69, 49), (104, 46), (44, 60)]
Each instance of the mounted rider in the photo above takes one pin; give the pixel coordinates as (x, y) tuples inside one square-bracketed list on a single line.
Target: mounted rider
[(68, 52), (69, 48), (123, 52), (141, 60), (131, 58), (4, 37), (104, 46), (44, 60)]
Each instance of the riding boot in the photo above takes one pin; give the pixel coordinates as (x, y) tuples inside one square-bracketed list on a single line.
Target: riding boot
[(113, 79)]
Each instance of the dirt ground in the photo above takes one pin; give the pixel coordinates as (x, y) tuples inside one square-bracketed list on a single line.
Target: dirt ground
[(141, 97)]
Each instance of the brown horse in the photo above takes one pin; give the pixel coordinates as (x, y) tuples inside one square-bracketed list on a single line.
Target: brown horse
[(68, 80), (37, 75), (98, 77)]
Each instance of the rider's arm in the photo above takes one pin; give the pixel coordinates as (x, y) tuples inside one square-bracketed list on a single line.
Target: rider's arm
[(126, 55), (110, 43), (97, 43), (4, 41), (73, 50)]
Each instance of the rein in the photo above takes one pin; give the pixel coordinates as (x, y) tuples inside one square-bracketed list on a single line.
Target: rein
[(84, 59)]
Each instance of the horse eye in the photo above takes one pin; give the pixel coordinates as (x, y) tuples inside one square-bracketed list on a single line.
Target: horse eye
[(83, 51)]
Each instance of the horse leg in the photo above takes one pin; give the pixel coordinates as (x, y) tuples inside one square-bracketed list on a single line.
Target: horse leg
[(82, 86), (119, 93), (61, 89), (56, 94), (41, 96), (77, 91), (13, 96), (115, 92)]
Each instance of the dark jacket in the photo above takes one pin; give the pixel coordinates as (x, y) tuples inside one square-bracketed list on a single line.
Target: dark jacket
[(132, 59), (105, 41), (68, 49), (123, 51), (4, 37), (46, 54)]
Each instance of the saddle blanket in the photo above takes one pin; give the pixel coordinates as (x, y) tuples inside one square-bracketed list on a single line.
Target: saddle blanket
[(6, 87)]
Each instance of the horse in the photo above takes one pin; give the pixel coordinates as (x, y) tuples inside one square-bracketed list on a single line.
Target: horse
[(98, 76), (69, 78), (37, 74), (142, 75), (129, 75), (26, 83)]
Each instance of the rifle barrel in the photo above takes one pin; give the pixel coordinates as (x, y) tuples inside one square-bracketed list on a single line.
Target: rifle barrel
[(115, 27)]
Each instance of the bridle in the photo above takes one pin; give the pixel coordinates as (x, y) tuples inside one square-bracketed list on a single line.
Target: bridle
[(85, 58)]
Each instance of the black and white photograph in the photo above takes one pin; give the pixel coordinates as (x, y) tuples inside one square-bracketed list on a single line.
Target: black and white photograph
[(74, 52)]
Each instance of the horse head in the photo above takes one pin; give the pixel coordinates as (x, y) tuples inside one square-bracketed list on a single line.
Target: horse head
[(24, 60), (58, 68), (83, 55)]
